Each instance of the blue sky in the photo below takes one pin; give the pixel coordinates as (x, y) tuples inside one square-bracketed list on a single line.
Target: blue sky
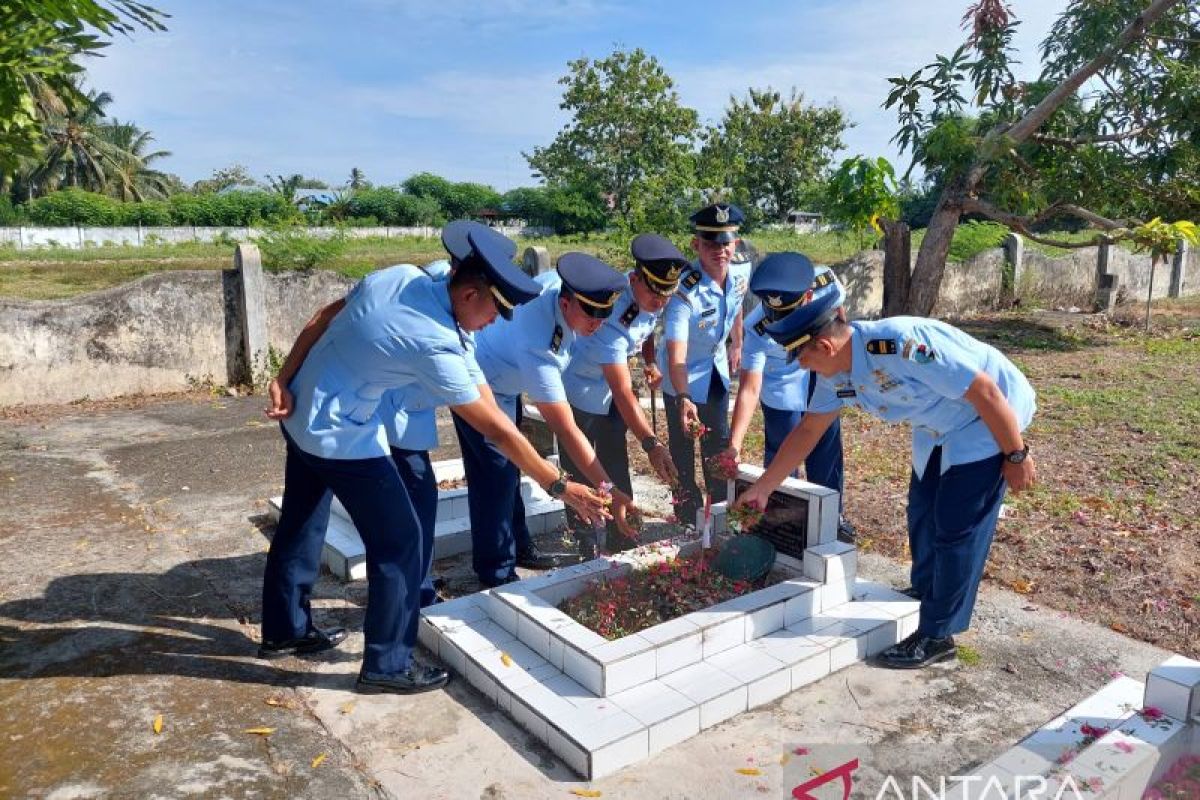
[(461, 88)]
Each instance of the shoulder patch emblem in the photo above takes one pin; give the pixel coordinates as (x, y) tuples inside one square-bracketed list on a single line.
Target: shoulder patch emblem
[(739, 285), (882, 347), (760, 327), (630, 314), (556, 339), (690, 279)]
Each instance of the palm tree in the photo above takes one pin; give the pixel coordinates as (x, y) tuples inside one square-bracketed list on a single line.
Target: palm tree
[(130, 177), (358, 179), (286, 187), (75, 154)]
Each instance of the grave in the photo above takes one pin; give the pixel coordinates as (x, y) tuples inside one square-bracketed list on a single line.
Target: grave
[(601, 705), (1124, 742), (345, 556)]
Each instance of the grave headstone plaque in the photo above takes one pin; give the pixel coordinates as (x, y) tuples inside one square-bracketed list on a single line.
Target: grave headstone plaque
[(785, 523)]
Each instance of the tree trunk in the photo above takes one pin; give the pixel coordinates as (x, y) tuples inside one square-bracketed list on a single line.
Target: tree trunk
[(897, 266), (931, 258)]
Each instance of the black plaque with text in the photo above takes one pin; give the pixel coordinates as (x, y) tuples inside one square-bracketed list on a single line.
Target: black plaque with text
[(785, 523)]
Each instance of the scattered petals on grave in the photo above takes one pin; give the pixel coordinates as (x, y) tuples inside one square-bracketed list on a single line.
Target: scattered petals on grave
[(1180, 782), (646, 597), (316, 762), (261, 731), (587, 792), (506, 659), (748, 771), (744, 517), (723, 465), (158, 723)]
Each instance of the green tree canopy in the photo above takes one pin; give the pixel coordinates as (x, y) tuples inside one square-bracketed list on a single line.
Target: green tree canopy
[(772, 152), (629, 140), (1109, 133), (39, 50)]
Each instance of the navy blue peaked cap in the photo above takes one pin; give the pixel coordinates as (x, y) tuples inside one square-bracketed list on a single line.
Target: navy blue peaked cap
[(818, 306), (718, 222), (659, 261), (454, 238), (508, 283), (781, 282), (595, 284)]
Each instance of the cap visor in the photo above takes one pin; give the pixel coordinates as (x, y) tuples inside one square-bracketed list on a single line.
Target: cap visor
[(722, 237)]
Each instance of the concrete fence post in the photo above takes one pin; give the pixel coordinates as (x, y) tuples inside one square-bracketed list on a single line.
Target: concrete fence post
[(247, 262), (1106, 282), (1178, 264), (20, 237), (1014, 254), (536, 260)]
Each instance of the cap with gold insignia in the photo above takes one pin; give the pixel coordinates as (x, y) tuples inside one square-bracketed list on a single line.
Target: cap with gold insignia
[(718, 222), (818, 306), (594, 284), (781, 282), (509, 285), (454, 238), (659, 262)]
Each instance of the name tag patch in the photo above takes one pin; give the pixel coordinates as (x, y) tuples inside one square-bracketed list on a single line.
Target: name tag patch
[(844, 393)]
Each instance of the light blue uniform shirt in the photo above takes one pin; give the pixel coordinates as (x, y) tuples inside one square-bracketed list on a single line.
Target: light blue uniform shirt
[(620, 337), (410, 414), (397, 330), (784, 383), (916, 370), (701, 313), (528, 353)]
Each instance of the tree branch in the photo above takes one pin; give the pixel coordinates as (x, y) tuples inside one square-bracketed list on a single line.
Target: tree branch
[(1063, 141), (1022, 225)]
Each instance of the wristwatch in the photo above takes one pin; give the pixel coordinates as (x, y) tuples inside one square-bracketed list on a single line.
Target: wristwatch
[(559, 487), (1017, 456), (650, 442)]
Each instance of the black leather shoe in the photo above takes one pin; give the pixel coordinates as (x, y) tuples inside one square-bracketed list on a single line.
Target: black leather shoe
[(315, 641), (918, 651), (912, 592), (533, 558), (846, 531), (492, 584), (417, 678)]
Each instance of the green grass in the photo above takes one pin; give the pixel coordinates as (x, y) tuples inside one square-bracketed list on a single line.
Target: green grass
[(968, 656)]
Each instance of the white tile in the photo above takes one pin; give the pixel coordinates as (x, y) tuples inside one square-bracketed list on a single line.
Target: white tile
[(746, 663), (482, 635), (652, 702), (678, 654), (534, 635), (833, 594), (578, 696), (454, 613), (814, 566), (724, 635), (1171, 698), (630, 672), (572, 754), (428, 636), (618, 649), (478, 677), (584, 670), (1028, 759), (453, 657), (845, 652), (700, 682), (908, 625), (788, 647), (674, 730), (800, 607), (612, 757), (501, 612), (769, 688), (524, 715), (592, 732), (722, 707), (811, 669), (556, 652), (764, 621), (579, 637)]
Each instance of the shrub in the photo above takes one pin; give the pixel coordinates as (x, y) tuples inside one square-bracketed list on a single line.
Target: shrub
[(9, 214), (73, 207), (972, 238), (393, 207), (287, 246), (150, 213)]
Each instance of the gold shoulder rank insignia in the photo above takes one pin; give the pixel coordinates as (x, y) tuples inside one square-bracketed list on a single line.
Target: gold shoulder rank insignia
[(882, 347), (691, 279), (630, 314), (760, 327), (556, 339)]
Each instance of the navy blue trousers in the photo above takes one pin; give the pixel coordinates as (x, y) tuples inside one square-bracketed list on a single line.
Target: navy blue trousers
[(607, 435), (951, 521), (378, 503), (497, 511), (416, 471), (824, 465), (714, 413)]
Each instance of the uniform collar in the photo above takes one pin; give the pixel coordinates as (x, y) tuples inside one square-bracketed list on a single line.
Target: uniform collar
[(441, 290), (706, 278), (559, 319), (859, 364)]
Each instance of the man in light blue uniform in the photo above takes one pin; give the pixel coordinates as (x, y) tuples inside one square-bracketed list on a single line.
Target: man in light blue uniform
[(526, 356), (396, 328), (705, 312), (968, 406), (597, 379), (782, 282)]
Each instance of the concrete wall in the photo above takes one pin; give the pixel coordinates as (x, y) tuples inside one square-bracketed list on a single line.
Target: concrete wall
[(163, 332), (77, 237)]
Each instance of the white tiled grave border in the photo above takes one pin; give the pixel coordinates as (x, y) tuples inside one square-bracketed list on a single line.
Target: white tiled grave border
[(345, 555), (1122, 764), (601, 705)]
